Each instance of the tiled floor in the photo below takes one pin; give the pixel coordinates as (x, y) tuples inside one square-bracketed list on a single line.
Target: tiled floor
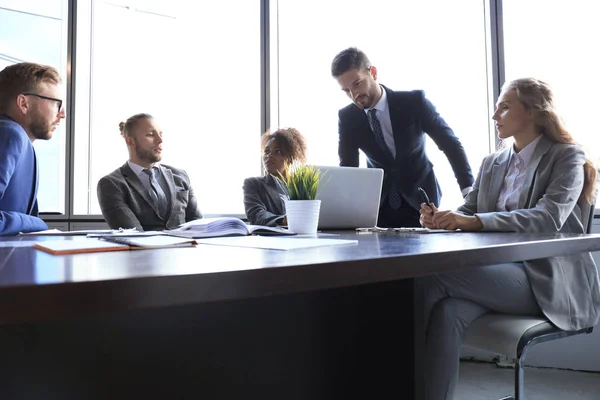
[(483, 381)]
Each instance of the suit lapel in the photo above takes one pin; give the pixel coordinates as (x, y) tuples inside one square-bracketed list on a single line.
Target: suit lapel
[(168, 174), (540, 151), (497, 179), (274, 189), (33, 202), (399, 119), (133, 181)]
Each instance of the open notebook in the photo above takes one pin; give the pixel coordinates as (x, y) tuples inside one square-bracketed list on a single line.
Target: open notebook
[(225, 226), (91, 245)]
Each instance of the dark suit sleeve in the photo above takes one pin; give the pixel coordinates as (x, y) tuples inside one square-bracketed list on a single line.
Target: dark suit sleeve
[(12, 222), (256, 210), (114, 209), (347, 147), (443, 136), (192, 211), (470, 206)]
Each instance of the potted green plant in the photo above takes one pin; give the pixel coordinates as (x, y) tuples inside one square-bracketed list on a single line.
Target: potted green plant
[(301, 185)]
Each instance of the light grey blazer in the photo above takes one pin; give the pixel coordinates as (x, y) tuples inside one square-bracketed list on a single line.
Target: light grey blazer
[(262, 201), (126, 203), (566, 288)]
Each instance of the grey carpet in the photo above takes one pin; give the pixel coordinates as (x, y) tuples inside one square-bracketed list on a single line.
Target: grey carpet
[(483, 381)]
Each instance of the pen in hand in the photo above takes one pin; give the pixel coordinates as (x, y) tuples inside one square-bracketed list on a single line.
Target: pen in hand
[(425, 198)]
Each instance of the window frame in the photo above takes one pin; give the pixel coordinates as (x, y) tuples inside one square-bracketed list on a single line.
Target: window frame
[(269, 86)]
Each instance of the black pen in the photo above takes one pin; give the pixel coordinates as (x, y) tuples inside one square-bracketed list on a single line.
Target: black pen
[(425, 198)]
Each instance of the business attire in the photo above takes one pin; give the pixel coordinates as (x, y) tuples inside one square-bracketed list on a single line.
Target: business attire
[(263, 200), (535, 190), (18, 181), (134, 197), (391, 135)]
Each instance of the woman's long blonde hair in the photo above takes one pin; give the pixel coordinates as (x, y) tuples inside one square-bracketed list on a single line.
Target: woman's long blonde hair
[(537, 96)]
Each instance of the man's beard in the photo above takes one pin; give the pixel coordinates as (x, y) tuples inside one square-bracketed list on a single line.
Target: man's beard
[(40, 128), (366, 102), (147, 155)]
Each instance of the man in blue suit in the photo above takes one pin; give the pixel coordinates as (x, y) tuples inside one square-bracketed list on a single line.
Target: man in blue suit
[(30, 109), (389, 127)]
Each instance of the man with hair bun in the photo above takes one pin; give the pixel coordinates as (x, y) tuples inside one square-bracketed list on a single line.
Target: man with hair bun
[(143, 193)]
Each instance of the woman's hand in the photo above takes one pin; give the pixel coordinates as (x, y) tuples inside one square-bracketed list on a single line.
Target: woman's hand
[(453, 220), (447, 219)]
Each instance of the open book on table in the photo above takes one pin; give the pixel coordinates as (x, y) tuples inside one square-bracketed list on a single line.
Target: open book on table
[(224, 226), (112, 243)]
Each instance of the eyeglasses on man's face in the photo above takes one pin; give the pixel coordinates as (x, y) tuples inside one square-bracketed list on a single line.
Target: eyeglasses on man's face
[(59, 101)]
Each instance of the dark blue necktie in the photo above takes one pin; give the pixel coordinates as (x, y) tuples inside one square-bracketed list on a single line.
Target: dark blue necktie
[(378, 133), (394, 197)]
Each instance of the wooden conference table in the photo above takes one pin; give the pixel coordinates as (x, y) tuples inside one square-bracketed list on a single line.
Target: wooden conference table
[(226, 322)]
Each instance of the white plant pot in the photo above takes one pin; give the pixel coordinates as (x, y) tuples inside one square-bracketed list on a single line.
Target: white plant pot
[(302, 215)]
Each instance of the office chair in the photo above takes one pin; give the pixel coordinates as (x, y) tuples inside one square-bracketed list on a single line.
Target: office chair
[(514, 335)]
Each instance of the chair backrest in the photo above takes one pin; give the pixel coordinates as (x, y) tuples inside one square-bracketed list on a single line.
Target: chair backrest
[(587, 214)]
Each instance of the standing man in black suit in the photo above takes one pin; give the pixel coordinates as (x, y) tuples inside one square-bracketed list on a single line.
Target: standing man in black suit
[(389, 128)]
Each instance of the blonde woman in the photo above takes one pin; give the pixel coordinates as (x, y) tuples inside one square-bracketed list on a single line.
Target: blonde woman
[(535, 185)]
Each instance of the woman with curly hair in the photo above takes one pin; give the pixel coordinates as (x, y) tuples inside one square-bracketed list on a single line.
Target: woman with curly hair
[(263, 195)]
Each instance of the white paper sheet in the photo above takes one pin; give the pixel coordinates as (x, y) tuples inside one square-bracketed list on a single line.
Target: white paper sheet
[(23, 243), (275, 242), (404, 230)]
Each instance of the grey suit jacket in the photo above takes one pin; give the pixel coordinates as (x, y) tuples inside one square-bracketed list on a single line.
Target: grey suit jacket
[(126, 203), (566, 288), (262, 201)]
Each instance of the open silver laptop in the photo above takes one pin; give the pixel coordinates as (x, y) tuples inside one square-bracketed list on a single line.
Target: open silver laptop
[(349, 197)]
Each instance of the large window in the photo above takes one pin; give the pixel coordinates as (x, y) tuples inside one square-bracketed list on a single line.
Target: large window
[(435, 45), (195, 66), (556, 41), (36, 31)]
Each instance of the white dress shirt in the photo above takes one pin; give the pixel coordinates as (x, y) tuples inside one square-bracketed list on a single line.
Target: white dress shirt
[(512, 187), (383, 115)]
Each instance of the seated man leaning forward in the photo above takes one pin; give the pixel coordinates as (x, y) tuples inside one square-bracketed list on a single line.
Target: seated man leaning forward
[(144, 194)]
